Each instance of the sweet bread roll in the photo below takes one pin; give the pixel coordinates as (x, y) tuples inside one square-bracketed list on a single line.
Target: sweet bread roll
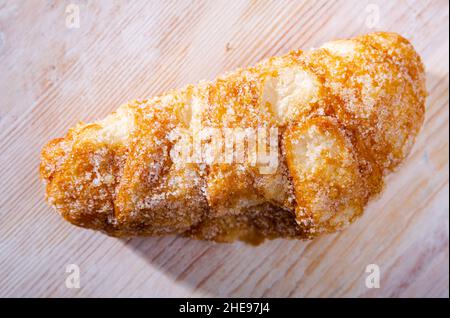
[(292, 147)]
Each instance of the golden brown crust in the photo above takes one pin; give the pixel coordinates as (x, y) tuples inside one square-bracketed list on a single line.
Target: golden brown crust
[(344, 115)]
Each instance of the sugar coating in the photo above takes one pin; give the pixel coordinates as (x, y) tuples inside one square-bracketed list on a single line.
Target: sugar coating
[(347, 114)]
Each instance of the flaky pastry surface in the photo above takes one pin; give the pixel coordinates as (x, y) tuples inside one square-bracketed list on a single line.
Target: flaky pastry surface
[(346, 114)]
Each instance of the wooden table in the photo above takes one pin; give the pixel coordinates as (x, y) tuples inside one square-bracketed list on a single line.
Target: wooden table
[(53, 74)]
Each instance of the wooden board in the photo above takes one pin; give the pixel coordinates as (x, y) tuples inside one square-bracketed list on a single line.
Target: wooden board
[(52, 76)]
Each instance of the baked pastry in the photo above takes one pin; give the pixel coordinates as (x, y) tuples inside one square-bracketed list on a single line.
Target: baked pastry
[(319, 130)]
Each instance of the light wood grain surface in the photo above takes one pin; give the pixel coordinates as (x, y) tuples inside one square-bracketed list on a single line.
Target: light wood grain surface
[(52, 76)]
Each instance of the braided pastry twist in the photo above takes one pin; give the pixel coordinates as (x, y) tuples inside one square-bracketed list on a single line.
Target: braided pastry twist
[(336, 120)]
